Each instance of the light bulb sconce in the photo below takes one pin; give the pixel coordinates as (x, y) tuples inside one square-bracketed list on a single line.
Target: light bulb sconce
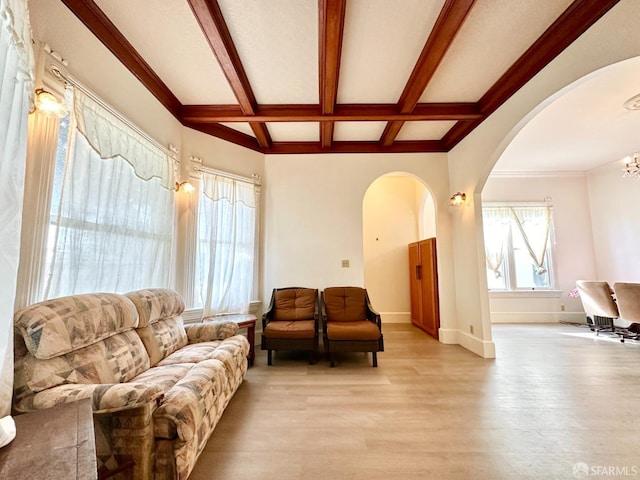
[(185, 187), (458, 199), (45, 102)]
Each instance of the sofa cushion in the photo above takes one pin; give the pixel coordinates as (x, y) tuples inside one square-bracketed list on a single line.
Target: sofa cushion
[(292, 304), (345, 304), (187, 407), (362, 330), (232, 352), (155, 304), (162, 338), (115, 359), (58, 326), (297, 329)]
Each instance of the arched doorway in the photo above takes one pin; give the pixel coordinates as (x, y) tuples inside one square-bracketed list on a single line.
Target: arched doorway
[(398, 209)]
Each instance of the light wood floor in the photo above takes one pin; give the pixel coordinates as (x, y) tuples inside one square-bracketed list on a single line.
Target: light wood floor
[(555, 397)]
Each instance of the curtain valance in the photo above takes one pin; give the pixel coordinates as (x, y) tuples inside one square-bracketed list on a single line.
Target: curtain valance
[(110, 137)]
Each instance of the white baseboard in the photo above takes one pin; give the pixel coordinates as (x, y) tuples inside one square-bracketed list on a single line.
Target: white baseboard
[(396, 317), (537, 317), (481, 348)]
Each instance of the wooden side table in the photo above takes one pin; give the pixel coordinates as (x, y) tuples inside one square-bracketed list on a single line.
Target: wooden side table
[(244, 320), (54, 443)]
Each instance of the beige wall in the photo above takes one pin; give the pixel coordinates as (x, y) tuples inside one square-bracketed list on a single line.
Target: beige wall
[(314, 207), (572, 248), (616, 224), (391, 217)]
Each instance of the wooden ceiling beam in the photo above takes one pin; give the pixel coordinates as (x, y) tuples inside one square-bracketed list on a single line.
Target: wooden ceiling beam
[(331, 15), (99, 24), (573, 22), (342, 113), (297, 148), (209, 16), (447, 26), (226, 133)]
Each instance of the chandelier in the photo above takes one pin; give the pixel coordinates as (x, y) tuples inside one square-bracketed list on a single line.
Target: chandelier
[(631, 166)]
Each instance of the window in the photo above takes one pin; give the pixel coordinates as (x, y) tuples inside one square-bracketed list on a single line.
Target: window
[(225, 250), (518, 247), (112, 209)]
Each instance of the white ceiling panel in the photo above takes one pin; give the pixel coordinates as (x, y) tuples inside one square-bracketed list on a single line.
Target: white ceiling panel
[(495, 34), (294, 131), (585, 127), (277, 41), (382, 42), (424, 130), (172, 43), (239, 126), (358, 131)]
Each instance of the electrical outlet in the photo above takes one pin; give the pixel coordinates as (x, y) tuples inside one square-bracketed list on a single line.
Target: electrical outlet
[(471, 329), (345, 263), (562, 308)]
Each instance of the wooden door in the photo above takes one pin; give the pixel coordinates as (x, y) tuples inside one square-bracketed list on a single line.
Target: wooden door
[(429, 287), (414, 284)]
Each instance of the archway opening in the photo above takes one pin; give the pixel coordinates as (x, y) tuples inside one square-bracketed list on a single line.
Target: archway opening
[(398, 209)]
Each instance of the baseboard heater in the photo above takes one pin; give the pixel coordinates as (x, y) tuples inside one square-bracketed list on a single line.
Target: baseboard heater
[(600, 323)]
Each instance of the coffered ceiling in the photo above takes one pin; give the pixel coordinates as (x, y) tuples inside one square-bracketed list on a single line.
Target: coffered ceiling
[(322, 76)]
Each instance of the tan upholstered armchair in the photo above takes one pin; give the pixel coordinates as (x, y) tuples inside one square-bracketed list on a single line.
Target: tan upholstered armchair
[(598, 304), (291, 321), (628, 299), (349, 323)]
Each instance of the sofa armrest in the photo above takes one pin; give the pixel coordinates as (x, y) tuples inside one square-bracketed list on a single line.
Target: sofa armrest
[(105, 397), (209, 331)]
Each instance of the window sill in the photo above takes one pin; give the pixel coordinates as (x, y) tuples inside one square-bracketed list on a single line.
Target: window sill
[(194, 315), (525, 294)]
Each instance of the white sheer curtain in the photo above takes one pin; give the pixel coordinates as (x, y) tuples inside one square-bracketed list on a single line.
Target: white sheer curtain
[(225, 249), (496, 222), (16, 87), (112, 225), (534, 224)]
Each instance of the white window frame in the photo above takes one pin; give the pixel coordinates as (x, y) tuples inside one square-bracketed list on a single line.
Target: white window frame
[(509, 260)]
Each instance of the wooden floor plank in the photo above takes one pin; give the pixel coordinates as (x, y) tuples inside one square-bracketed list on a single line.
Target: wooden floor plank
[(555, 396)]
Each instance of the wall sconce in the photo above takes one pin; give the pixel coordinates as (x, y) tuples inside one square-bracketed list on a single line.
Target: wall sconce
[(47, 103), (458, 199), (186, 187)]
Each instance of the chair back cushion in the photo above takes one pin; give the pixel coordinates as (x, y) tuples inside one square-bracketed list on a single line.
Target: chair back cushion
[(345, 304), (596, 298), (161, 328), (292, 304), (628, 296)]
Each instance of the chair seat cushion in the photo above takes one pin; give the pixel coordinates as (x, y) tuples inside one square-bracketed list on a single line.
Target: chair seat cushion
[(360, 330), (295, 329)]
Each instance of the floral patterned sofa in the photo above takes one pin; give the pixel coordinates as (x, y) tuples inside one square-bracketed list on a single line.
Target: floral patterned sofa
[(158, 388)]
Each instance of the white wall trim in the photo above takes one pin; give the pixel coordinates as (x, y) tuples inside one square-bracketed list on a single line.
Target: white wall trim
[(482, 348), (525, 293), (542, 174), (396, 317), (538, 317)]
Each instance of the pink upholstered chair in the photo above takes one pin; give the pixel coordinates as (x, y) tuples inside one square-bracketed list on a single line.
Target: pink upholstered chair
[(598, 304), (628, 300)]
